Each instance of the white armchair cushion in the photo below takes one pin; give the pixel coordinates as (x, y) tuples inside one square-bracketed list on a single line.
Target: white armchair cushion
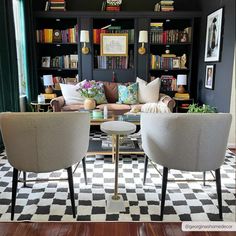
[(148, 92)]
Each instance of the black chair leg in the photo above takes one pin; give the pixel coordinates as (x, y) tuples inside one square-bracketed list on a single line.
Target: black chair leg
[(219, 193), (84, 170), (71, 187), (163, 192), (145, 169), (24, 179), (14, 189), (204, 178)]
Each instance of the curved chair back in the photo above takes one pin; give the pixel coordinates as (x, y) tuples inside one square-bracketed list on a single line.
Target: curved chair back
[(191, 142), (43, 142)]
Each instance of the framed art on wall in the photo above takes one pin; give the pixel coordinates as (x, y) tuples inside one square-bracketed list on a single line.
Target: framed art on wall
[(213, 36), (209, 77), (114, 44)]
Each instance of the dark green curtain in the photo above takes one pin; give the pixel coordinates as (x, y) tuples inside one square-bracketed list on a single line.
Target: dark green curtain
[(9, 93)]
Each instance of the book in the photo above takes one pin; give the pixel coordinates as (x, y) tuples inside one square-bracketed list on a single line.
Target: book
[(182, 96)]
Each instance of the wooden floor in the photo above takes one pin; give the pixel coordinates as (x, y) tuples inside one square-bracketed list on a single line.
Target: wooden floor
[(99, 229)]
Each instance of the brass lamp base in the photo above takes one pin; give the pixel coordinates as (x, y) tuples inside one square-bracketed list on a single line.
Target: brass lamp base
[(141, 50), (48, 90), (181, 89), (85, 50)]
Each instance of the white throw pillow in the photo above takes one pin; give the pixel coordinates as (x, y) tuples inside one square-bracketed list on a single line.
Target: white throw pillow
[(70, 94), (148, 92)]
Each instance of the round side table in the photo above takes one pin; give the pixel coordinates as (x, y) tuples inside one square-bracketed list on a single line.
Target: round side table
[(117, 128)]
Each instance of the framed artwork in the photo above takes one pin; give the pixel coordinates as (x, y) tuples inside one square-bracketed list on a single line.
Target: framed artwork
[(213, 36), (46, 62), (176, 63), (209, 77), (114, 44)]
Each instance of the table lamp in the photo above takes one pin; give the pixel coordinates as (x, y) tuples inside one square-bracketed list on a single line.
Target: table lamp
[(181, 81), (143, 38), (84, 38), (48, 82)]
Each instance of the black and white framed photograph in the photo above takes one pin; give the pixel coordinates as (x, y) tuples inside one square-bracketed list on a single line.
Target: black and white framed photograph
[(46, 62), (209, 77), (213, 36)]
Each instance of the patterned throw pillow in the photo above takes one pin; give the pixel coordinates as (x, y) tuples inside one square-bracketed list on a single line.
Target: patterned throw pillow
[(100, 98), (128, 94)]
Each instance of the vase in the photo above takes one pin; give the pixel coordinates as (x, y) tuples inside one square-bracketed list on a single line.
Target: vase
[(89, 104)]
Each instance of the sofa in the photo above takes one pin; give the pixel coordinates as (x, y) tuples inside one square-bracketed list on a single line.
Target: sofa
[(152, 95)]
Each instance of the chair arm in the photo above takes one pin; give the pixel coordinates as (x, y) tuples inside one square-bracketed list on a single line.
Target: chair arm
[(57, 103), (170, 103)]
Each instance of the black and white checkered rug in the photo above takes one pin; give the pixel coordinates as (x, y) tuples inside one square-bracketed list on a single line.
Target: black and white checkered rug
[(49, 201)]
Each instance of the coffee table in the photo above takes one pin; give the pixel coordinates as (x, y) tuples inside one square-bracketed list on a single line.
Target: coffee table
[(95, 146)]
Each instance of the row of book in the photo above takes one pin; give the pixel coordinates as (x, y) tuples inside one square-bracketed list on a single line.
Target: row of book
[(57, 80), (167, 5), (158, 35), (65, 62), (113, 30), (58, 36), (165, 63), (168, 83), (107, 62)]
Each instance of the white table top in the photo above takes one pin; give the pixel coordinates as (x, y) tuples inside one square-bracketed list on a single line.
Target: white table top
[(118, 127)]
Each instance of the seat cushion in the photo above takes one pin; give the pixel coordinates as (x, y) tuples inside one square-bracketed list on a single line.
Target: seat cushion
[(148, 92), (114, 107), (73, 107)]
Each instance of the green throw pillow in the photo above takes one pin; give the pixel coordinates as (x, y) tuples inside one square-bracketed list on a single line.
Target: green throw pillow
[(100, 97), (128, 94)]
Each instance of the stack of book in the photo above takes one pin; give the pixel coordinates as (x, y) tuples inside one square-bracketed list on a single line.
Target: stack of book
[(182, 96), (167, 5), (57, 5), (113, 5)]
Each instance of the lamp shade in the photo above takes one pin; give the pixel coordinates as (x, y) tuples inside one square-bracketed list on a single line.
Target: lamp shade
[(143, 36), (181, 79), (84, 36), (47, 80)]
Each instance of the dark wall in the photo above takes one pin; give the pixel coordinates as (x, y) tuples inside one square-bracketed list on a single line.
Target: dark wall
[(221, 95), (127, 5)]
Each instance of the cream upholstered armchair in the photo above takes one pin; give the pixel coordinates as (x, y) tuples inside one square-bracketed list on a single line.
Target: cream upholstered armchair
[(188, 142), (44, 142)]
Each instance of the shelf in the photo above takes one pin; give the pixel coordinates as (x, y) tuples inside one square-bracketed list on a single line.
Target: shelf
[(59, 69), (169, 69), (97, 69), (58, 44), (170, 44)]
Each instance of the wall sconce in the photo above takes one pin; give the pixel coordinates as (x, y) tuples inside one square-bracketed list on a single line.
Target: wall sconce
[(84, 38), (181, 80), (143, 38), (48, 82)]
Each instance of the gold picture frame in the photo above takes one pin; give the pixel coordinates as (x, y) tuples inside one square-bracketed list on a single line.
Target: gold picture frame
[(114, 44)]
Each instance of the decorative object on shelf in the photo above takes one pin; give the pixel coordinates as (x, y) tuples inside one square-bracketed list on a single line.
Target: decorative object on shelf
[(57, 36), (113, 5), (89, 104), (84, 38), (183, 60), (114, 44), (143, 38), (195, 108), (157, 7), (209, 78), (213, 36), (46, 62), (181, 81), (182, 96), (48, 82)]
